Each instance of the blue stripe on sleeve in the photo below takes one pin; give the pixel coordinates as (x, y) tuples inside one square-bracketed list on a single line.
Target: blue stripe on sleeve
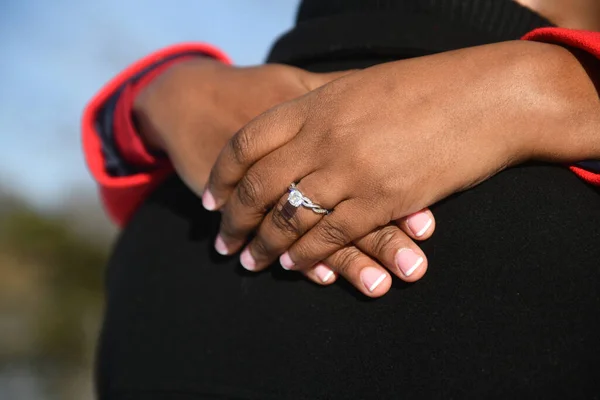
[(593, 166), (114, 164)]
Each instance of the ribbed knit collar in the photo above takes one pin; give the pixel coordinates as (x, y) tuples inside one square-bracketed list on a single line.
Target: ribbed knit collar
[(499, 18), (397, 29)]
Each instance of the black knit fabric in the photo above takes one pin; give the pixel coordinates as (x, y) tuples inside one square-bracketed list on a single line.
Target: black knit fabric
[(392, 29), (504, 19), (509, 308)]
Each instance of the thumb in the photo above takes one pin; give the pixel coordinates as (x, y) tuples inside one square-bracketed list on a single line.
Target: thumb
[(318, 79)]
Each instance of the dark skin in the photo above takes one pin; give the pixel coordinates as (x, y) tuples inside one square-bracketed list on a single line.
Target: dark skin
[(433, 131), (209, 113), (193, 122), (170, 121), (575, 14)]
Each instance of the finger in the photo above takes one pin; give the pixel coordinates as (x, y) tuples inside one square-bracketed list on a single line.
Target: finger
[(395, 251), (261, 136), (330, 234), (360, 270), (419, 226), (255, 194), (285, 223), (320, 274)]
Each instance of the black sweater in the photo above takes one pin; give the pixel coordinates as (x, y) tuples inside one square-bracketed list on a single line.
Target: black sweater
[(393, 29)]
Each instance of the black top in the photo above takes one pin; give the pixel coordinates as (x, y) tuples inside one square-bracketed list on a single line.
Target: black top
[(399, 28), (358, 33)]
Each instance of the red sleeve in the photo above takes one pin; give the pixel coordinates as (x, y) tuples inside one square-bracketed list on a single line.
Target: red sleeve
[(121, 195), (587, 41), (128, 142)]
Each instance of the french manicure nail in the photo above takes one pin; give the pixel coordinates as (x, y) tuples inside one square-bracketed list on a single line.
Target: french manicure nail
[(408, 261), (208, 200), (247, 260), (419, 223), (286, 261), (323, 272), (371, 278), (220, 246)]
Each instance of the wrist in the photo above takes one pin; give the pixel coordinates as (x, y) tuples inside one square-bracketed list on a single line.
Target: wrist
[(562, 103), (164, 89)]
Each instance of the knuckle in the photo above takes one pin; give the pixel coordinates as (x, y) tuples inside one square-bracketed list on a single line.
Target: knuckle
[(241, 145), (249, 189), (386, 238), (290, 226), (332, 233), (346, 259), (261, 248)]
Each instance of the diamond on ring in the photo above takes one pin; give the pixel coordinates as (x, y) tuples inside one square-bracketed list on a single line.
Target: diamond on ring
[(297, 199)]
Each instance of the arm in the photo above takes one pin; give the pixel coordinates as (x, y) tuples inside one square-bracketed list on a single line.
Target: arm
[(588, 42), (175, 103), (124, 170), (437, 125), (188, 111), (127, 172)]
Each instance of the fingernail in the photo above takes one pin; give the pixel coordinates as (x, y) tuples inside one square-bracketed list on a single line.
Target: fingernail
[(285, 261), (323, 272), (220, 246), (247, 260), (208, 200), (371, 278), (408, 261), (419, 223)]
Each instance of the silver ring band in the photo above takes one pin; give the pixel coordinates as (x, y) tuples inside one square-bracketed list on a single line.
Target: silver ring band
[(297, 199)]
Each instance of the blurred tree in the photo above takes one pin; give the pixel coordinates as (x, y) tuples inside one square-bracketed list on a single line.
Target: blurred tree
[(50, 292)]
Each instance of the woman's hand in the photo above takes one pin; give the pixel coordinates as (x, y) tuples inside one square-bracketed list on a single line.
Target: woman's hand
[(385, 142), (192, 110), (364, 262)]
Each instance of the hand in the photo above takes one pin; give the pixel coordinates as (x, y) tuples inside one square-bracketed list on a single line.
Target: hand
[(192, 109), (385, 142), (361, 262), (190, 112)]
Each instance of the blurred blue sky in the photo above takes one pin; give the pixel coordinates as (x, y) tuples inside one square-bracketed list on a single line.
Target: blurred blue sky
[(56, 54)]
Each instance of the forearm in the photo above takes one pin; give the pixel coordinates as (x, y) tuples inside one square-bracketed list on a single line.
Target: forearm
[(112, 151), (565, 106), (175, 89), (575, 14)]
